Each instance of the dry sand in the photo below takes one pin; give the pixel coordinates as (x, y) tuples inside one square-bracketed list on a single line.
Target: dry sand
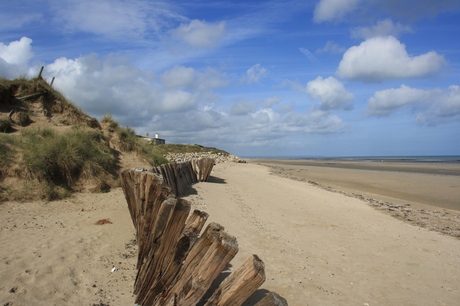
[(319, 247), (54, 254)]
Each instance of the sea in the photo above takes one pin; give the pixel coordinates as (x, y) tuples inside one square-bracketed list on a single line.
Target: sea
[(436, 159)]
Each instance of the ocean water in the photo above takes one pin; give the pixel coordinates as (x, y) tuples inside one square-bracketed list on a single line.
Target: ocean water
[(404, 159), (443, 159)]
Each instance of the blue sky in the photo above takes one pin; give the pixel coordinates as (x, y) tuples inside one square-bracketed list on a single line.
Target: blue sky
[(255, 78)]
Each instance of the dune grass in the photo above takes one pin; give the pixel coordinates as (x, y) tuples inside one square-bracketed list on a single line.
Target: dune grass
[(60, 159), (52, 163), (5, 125), (129, 141)]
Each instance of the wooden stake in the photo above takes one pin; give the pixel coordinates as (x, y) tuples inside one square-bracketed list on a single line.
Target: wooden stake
[(41, 70), (272, 299), (240, 285), (175, 267), (212, 252)]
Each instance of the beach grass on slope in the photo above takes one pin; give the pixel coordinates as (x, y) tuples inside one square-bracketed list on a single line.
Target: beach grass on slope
[(54, 162)]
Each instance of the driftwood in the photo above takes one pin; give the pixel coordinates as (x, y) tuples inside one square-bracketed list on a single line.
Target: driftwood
[(176, 265)]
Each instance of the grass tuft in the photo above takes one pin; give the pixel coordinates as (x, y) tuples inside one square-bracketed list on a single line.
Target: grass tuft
[(61, 159), (5, 125)]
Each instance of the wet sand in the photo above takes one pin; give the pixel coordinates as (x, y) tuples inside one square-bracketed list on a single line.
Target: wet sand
[(427, 186)]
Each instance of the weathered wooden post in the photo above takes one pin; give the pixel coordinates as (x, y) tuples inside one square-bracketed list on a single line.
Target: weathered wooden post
[(177, 266), (240, 285), (272, 299), (40, 73)]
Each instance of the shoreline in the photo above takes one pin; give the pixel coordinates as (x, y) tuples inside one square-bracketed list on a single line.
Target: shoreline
[(416, 194), (440, 168)]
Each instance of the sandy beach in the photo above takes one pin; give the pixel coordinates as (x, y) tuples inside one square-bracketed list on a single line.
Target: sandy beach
[(322, 244)]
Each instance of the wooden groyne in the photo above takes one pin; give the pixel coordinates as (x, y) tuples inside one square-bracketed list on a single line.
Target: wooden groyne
[(177, 261), (179, 176)]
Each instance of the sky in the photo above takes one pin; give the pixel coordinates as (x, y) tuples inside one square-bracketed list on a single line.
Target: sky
[(255, 78)]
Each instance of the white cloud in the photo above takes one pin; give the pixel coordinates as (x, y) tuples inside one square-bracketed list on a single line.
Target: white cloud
[(338, 10), (382, 58), (384, 27), (115, 19), (177, 100), (308, 54), (243, 108), (294, 85), (330, 92), (255, 73), (272, 101), (432, 107), (182, 103), (331, 47), (179, 76), (113, 85), (328, 10), (200, 34), (17, 52), (14, 57), (312, 121), (187, 77), (446, 109), (388, 101), (15, 22)]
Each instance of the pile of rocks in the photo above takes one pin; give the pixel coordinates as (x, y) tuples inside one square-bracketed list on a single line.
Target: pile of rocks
[(218, 157)]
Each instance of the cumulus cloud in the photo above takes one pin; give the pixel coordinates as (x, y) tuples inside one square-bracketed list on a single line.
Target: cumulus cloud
[(272, 101), (328, 10), (189, 78), (255, 73), (243, 108), (114, 85), (432, 107), (330, 92), (312, 121), (384, 27), (179, 76), (388, 101), (382, 58), (181, 103), (200, 34), (15, 56)]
